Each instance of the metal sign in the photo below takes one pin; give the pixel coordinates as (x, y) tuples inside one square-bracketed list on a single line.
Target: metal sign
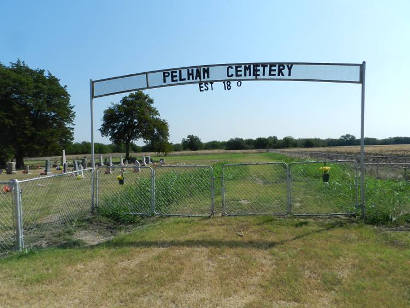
[(206, 75)]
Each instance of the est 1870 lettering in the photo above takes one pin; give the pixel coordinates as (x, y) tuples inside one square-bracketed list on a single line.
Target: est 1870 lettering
[(209, 86)]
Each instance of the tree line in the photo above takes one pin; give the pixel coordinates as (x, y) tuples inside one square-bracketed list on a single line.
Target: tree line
[(194, 143)]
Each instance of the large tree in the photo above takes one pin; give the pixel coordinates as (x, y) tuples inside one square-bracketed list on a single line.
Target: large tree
[(35, 113), (132, 119), (192, 143)]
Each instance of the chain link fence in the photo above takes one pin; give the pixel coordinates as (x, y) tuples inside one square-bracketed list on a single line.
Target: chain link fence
[(324, 188), (7, 218), (184, 190), (33, 212), (124, 191), (387, 192), (254, 189)]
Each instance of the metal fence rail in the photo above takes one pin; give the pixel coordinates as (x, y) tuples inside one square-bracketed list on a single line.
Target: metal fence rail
[(254, 189), (323, 188), (184, 190), (125, 189)]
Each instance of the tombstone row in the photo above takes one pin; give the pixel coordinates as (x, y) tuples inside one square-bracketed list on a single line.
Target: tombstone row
[(80, 164)]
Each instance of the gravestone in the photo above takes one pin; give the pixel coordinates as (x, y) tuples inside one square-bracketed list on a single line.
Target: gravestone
[(81, 170), (101, 160), (76, 168), (143, 160), (137, 167), (121, 161), (147, 160), (47, 167), (27, 169), (84, 162), (162, 161), (64, 162), (11, 167)]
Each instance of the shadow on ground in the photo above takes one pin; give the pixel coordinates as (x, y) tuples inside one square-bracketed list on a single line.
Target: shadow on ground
[(257, 244)]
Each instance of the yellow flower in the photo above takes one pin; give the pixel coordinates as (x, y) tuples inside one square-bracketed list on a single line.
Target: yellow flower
[(325, 169), (120, 177)]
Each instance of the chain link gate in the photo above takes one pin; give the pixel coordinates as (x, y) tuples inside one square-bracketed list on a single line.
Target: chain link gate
[(255, 189), (125, 190), (324, 188), (184, 190), (50, 201)]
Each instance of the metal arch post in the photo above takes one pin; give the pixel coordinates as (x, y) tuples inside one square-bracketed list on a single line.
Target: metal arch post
[(362, 166), (92, 145)]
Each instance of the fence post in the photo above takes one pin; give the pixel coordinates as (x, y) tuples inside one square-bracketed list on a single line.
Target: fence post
[(223, 192), (356, 179), (96, 187), (92, 189), (212, 191), (152, 191), (19, 215), (289, 188)]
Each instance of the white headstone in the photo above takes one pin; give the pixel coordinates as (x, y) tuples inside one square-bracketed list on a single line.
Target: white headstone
[(101, 160), (64, 158), (137, 167)]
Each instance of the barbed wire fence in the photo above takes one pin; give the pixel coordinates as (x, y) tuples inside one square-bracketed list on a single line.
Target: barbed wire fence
[(34, 212)]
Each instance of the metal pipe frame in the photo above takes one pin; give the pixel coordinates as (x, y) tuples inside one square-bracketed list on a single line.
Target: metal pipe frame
[(18, 215), (362, 150), (54, 175)]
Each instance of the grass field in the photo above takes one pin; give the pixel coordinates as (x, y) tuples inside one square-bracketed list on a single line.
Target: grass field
[(219, 262)]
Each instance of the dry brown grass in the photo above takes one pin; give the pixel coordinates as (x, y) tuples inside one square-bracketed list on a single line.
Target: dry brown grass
[(219, 262), (395, 149)]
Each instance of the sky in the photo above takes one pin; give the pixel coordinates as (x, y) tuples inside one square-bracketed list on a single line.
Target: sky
[(81, 40)]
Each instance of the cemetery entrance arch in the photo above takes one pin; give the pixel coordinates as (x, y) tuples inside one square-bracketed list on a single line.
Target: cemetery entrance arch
[(206, 75)]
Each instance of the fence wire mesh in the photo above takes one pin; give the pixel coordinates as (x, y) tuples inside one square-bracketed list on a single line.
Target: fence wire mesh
[(53, 200), (324, 188), (387, 192), (124, 191), (250, 189), (7, 218), (185, 190)]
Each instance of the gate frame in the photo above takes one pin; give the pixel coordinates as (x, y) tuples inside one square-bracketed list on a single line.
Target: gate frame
[(285, 165), (152, 193), (212, 190), (355, 179)]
